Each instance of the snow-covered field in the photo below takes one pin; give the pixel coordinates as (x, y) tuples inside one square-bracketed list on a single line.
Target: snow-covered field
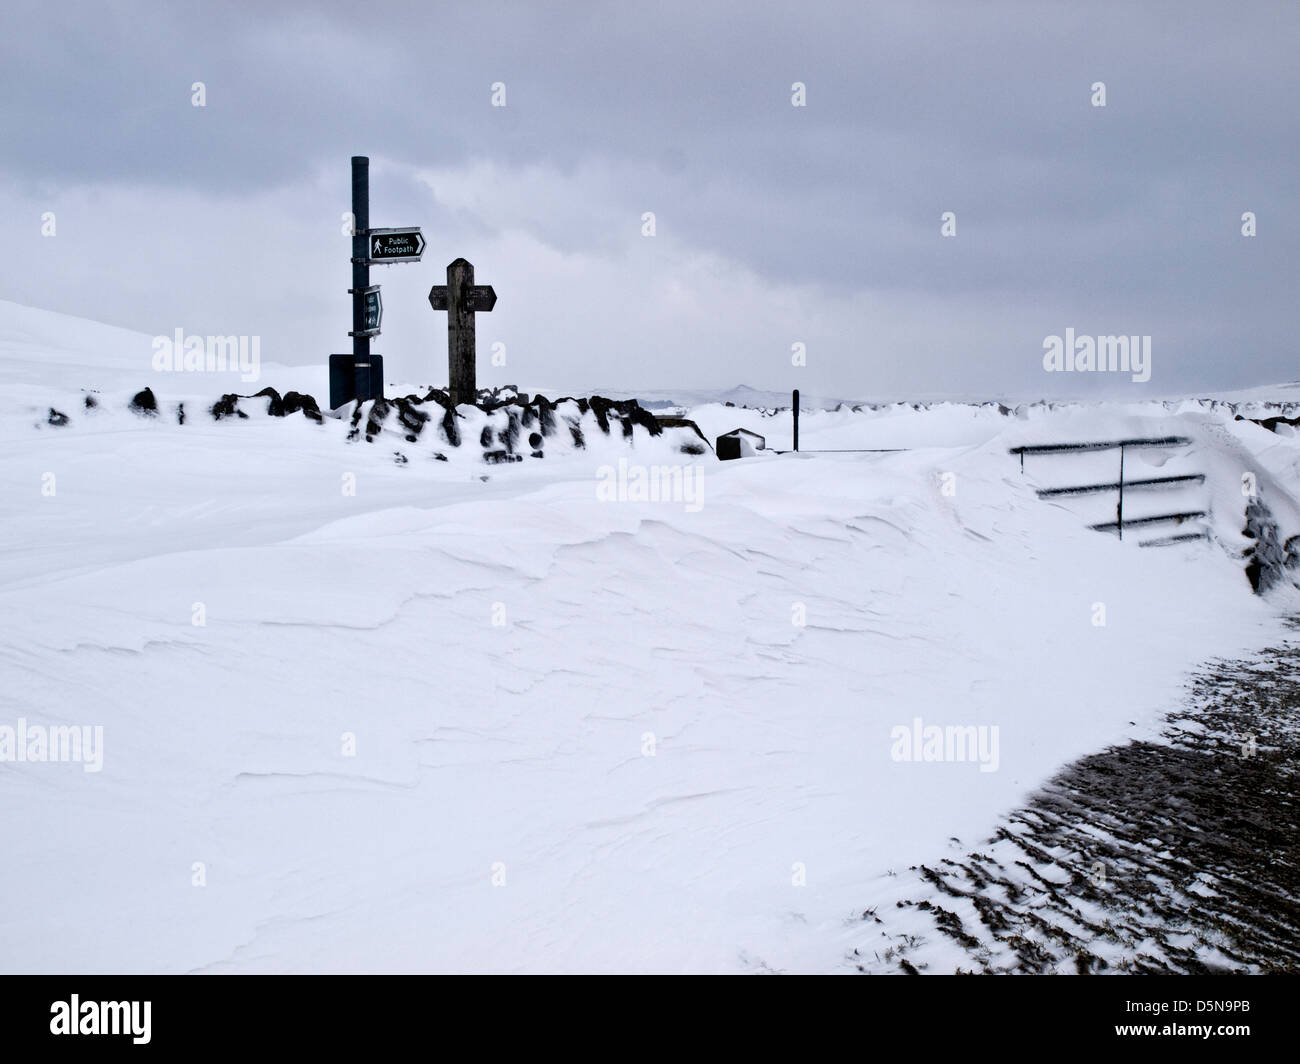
[(483, 718)]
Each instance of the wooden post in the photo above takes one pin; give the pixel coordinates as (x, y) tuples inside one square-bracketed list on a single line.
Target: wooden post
[(461, 298), (795, 408), (460, 334)]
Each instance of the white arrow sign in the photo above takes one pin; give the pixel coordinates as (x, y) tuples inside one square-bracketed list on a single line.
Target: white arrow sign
[(396, 245)]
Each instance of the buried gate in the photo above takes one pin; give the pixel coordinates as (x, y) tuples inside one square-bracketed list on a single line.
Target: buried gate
[(1120, 486)]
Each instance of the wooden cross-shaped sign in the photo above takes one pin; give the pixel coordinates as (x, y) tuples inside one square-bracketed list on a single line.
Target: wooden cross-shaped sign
[(461, 298)]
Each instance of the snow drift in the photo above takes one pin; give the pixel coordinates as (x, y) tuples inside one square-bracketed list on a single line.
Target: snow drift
[(481, 717)]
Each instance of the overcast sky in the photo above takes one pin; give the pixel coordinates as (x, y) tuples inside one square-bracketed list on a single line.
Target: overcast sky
[(775, 224)]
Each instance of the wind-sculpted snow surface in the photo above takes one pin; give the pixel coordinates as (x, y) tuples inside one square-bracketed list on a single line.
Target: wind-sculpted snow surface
[(367, 715)]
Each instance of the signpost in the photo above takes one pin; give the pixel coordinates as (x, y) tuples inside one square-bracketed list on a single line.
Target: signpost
[(361, 374), (372, 311), (374, 308), (480, 297), (395, 245), (461, 298)]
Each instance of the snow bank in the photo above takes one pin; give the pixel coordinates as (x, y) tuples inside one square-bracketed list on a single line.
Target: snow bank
[(489, 718)]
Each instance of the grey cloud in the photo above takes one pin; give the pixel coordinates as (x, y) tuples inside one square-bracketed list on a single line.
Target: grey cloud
[(1129, 212)]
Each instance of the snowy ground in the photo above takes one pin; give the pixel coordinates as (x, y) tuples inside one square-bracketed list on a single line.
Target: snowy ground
[(1168, 855), (588, 735)]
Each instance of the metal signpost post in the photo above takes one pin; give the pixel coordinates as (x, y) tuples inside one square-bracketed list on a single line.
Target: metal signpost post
[(361, 374)]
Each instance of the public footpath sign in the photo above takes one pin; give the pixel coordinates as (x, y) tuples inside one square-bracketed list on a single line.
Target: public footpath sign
[(395, 245)]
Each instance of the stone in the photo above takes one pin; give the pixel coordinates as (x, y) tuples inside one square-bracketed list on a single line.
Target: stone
[(143, 402)]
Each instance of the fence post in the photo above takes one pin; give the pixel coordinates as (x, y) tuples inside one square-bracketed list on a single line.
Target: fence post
[(1119, 512), (795, 407)]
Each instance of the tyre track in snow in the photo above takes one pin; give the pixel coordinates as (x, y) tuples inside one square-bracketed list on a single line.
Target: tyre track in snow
[(1175, 856)]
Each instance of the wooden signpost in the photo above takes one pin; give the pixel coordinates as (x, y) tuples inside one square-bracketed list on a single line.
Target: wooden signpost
[(461, 298)]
